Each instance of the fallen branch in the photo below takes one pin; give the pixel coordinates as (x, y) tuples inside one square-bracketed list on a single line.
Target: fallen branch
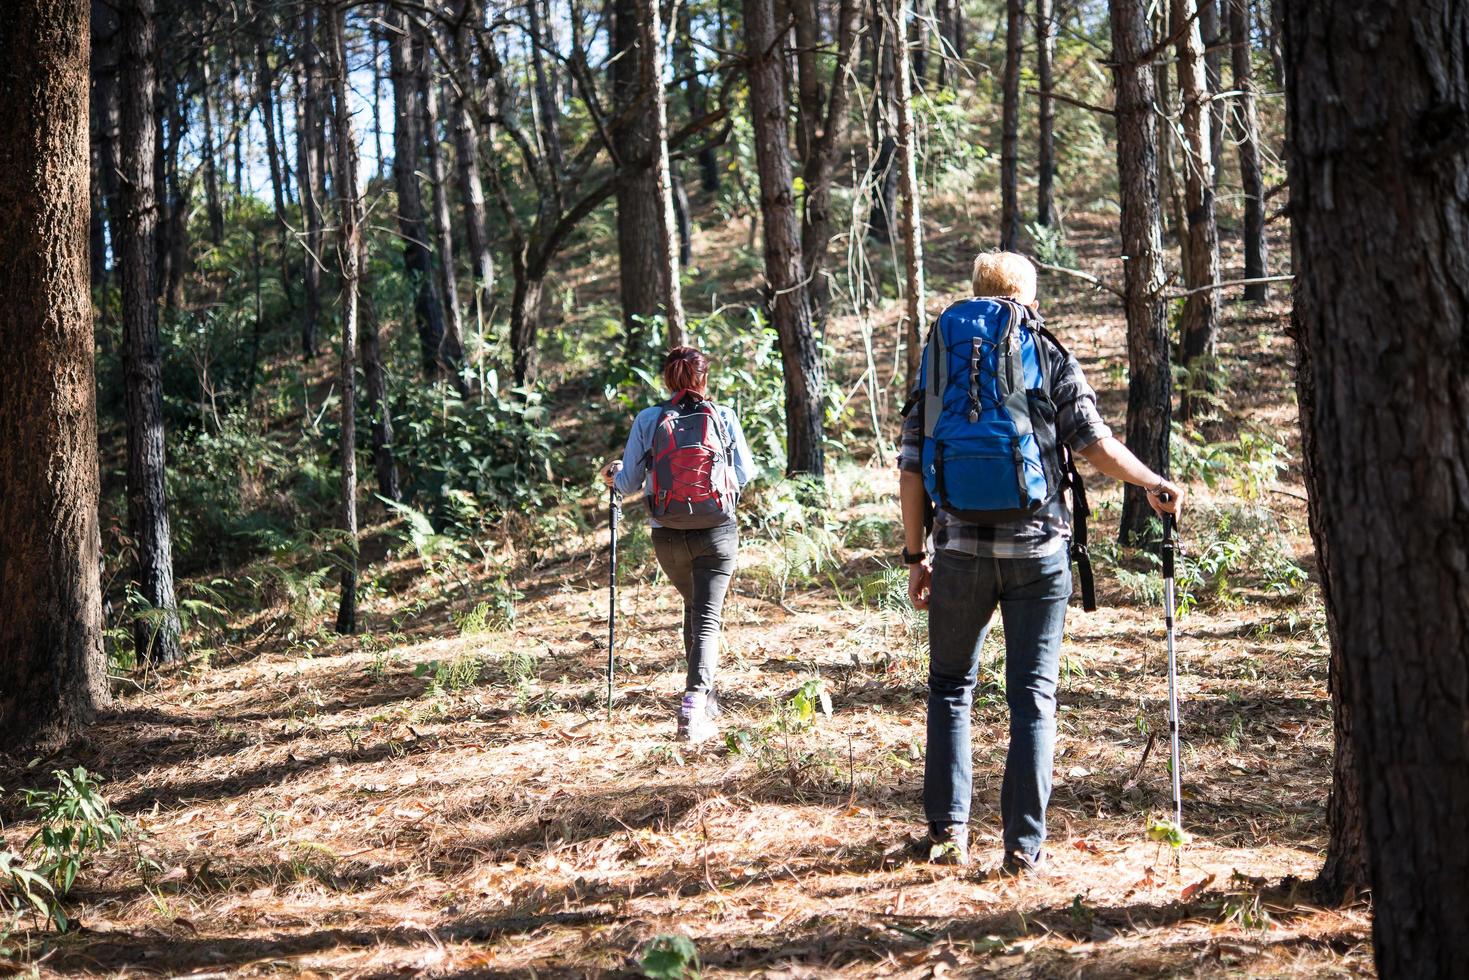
[(1083, 276), (1225, 285)]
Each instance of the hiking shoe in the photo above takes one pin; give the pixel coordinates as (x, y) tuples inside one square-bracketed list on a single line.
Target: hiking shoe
[(944, 844), (694, 722), (1018, 864)]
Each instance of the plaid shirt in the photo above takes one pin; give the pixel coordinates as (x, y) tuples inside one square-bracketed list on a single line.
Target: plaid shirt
[(1078, 425)]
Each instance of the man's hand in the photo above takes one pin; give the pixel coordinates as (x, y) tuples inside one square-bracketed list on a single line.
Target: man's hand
[(920, 584), (610, 471), (1173, 505)]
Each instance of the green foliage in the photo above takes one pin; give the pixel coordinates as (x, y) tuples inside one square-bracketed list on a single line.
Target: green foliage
[(1251, 461), (469, 460), (801, 708), (495, 614), (76, 822), (450, 676), (1048, 242), (670, 957), (1167, 832), (23, 889)]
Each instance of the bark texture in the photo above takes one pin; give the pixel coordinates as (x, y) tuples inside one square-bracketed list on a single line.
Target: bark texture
[(155, 635), (915, 325), (1045, 50), (428, 312), (1380, 221), (51, 619), (642, 267), (1256, 260), (805, 376), (471, 186), (1345, 869), (438, 176), (651, 36), (1201, 255), (1149, 385), (349, 255), (310, 167), (1010, 126)]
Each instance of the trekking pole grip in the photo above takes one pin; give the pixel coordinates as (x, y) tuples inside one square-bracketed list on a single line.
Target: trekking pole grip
[(1170, 525)]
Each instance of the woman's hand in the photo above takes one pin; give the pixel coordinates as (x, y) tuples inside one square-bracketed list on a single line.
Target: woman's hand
[(1174, 493), (920, 584), (610, 471)]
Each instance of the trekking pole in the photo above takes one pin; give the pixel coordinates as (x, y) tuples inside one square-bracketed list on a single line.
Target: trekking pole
[(1169, 525), (614, 506)]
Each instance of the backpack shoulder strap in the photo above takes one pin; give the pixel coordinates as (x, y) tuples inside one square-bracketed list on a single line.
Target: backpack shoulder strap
[(726, 437), (1070, 477), (938, 375)]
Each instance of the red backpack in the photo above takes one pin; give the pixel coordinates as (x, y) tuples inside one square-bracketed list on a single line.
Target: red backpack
[(692, 463)]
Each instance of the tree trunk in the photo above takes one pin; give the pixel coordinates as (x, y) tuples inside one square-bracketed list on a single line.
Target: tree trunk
[(884, 128), (1149, 387), (917, 47), (683, 218), (1345, 870), (1379, 209), (428, 312), (1045, 50), (652, 44), (1209, 27), (1010, 127), (375, 393), (349, 255), (697, 98), (791, 312), (265, 96), (155, 635), (548, 111), (1256, 260), (915, 322), (471, 188), (943, 17), (641, 266), (807, 20), (377, 102), (453, 349), (109, 116), (310, 181), (237, 128), (97, 207), (1174, 221), (51, 619), (212, 203), (175, 240), (525, 317), (820, 167), (1201, 257)]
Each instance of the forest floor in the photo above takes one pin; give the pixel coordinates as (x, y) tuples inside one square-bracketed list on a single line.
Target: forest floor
[(442, 797)]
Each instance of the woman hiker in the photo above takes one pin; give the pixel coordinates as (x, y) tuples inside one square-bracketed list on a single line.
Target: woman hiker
[(690, 458)]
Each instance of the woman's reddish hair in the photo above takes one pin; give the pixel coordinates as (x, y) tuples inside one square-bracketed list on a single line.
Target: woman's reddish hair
[(685, 368)]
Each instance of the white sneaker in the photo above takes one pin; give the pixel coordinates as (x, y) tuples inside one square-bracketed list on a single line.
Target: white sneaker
[(694, 722)]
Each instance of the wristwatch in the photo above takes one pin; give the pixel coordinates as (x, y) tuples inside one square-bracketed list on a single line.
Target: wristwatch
[(913, 559)]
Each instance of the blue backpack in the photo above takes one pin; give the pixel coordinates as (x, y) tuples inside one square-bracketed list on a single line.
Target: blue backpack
[(990, 452)]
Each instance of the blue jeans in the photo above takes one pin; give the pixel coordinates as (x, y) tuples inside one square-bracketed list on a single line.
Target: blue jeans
[(1032, 594), (700, 565)]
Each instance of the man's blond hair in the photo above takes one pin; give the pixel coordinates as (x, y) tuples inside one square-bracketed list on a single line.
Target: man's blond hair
[(1007, 275)]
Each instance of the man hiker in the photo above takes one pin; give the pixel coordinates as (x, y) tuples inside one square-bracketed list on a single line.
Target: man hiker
[(986, 443)]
